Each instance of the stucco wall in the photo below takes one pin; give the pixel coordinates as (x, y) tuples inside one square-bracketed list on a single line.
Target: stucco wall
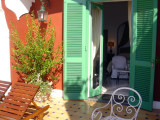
[(55, 12)]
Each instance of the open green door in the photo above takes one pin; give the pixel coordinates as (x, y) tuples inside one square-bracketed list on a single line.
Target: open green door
[(144, 22), (96, 52), (75, 81)]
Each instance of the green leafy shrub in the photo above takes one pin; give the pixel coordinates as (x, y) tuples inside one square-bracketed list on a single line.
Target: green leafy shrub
[(37, 55)]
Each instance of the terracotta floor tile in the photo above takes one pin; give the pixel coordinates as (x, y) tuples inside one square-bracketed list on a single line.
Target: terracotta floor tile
[(81, 110)]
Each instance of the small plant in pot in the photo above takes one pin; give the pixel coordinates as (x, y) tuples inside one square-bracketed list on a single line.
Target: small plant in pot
[(37, 58)]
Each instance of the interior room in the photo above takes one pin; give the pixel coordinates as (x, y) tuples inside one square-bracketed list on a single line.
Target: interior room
[(116, 46)]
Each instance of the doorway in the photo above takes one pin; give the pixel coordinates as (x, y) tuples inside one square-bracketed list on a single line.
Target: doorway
[(77, 60), (116, 42)]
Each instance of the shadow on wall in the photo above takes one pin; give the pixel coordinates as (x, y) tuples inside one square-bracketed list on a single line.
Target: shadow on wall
[(55, 72), (56, 6)]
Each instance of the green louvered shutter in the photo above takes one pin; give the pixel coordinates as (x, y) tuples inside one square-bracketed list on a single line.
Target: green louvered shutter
[(143, 49), (75, 77)]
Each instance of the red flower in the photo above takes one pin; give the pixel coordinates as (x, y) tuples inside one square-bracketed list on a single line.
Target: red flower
[(49, 77), (44, 55), (43, 59)]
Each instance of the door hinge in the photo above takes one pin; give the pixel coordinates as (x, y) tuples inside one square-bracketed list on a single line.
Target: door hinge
[(85, 48)]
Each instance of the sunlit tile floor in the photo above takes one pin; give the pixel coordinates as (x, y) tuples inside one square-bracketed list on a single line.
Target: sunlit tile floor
[(81, 110)]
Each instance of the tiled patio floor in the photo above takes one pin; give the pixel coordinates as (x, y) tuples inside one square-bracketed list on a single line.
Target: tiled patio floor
[(81, 110)]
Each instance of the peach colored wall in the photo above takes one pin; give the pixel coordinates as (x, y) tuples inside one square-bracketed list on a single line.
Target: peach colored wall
[(55, 12)]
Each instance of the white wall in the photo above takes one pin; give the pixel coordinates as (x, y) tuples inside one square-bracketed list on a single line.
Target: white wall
[(4, 48), (19, 7)]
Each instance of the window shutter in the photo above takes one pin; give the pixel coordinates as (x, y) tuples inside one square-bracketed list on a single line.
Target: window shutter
[(75, 77), (143, 49)]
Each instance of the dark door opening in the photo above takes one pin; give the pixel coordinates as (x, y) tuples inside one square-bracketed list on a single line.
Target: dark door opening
[(116, 42)]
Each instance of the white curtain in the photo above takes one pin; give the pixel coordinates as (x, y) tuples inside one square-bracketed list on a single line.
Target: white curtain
[(96, 30)]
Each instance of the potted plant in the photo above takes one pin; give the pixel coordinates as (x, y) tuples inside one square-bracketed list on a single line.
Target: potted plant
[(37, 56)]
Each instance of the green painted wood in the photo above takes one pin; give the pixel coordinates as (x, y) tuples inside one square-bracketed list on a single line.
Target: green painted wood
[(98, 90), (143, 48), (108, 0), (75, 81)]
